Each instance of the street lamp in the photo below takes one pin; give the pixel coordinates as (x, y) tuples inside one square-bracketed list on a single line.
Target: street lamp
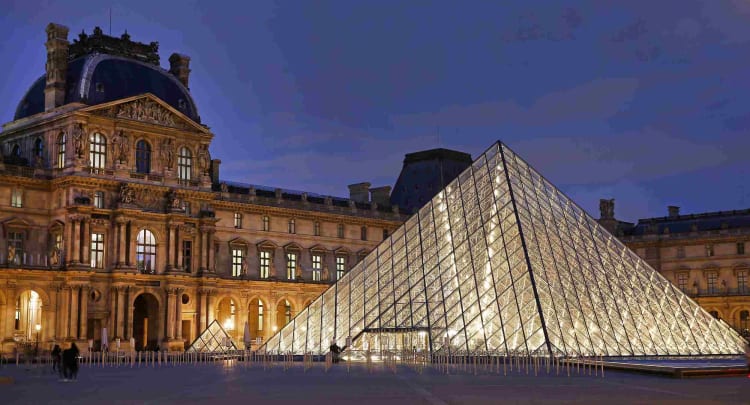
[(38, 328)]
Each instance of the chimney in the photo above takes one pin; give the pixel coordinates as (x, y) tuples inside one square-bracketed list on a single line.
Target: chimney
[(381, 195), (360, 192), (57, 65), (215, 164), (674, 211), (607, 208), (179, 66)]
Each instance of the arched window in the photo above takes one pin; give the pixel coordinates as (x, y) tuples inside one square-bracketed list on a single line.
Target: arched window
[(287, 312), (184, 164), (143, 157), (145, 251), (61, 150), (38, 147), (98, 151)]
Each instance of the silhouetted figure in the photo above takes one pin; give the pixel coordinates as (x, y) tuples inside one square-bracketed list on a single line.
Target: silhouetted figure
[(57, 359), (70, 362), (335, 350)]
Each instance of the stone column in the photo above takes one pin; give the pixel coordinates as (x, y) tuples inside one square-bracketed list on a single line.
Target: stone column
[(178, 314), (63, 313), (121, 313), (178, 250), (10, 311), (211, 265), (74, 290), (131, 309), (131, 244), (83, 318), (76, 241), (52, 325), (211, 304), (202, 309), (122, 245), (112, 330), (203, 255), (170, 313), (86, 259), (68, 242)]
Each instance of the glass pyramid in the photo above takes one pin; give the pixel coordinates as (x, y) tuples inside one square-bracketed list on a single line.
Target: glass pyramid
[(502, 262), (213, 339)]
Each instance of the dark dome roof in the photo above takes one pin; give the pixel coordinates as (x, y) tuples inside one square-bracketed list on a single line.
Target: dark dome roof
[(101, 78)]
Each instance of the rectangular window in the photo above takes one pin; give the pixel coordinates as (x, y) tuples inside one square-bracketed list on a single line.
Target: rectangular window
[(711, 278), (340, 267), (742, 281), (265, 264), (316, 228), (260, 315), (15, 247), (97, 250), (16, 198), (237, 220), (187, 255), (682, 281), (99, 199), (292, 226), (317, 266), (340, 230), (266, 223), (740, 248), (363, 233), (58, 241), (709, 250), (238, 260), (291, 265), (680, 252)]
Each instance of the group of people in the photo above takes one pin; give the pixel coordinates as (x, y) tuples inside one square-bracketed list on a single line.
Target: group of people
[(65, 362)]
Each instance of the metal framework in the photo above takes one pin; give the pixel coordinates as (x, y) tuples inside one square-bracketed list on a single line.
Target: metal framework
[(214, 339), (501, 261)]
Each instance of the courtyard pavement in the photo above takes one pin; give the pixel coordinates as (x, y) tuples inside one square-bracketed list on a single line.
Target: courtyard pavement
[(231, 382)]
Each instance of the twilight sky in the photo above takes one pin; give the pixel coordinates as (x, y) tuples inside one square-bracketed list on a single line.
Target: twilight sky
[(642, 101)]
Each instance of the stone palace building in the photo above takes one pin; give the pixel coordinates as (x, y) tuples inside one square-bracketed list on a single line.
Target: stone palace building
[(701, 254), (113, 214)]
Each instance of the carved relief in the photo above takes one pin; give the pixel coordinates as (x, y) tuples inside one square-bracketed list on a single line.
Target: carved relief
[(204, 160), (79, 140), (144, 110), (121, 147), (127, 194)]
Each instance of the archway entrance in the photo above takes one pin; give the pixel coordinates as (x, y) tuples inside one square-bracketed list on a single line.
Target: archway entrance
[(283, 313), (256, 313), (226, 314), (28, 316), (146, 322)]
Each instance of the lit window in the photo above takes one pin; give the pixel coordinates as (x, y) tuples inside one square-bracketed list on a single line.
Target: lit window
[(711, 278), (145, 251), (238, 259), (317, 265), (16, 198), (265, 264), (61, 150), (316, 228), (266, 223), (260, 315), (363, 233), (187, 253), (184, 164), (237, 220), (99, 199), (340, 230), (58, 241), (340, 267), (143, 157), (292, 226), (98, 151), (709, 250), (291, 265), (287, 312), (15, 243), (97, 250), (744, 323), (682, 281), (742, 281), (740, 248)]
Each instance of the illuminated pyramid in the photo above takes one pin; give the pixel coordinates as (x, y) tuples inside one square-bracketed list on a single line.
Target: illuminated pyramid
[(213, 339), (503, 262)]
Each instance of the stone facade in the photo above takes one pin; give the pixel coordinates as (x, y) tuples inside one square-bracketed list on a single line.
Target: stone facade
[(702, 254), (113, 216)]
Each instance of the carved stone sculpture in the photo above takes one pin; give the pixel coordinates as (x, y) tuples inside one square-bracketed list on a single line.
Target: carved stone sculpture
[(326, 275), (12, 258), (204, 160), (167, 153), (54, 257), (127, 194), (79, 140), (298, 272)]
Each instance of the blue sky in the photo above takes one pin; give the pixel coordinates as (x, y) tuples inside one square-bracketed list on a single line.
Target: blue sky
[(642, 101)]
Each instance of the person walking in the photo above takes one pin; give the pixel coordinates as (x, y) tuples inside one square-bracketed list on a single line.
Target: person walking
[(70, 363), (56, 359)]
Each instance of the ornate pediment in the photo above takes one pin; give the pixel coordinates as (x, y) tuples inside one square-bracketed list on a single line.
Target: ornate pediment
[(146, 109)]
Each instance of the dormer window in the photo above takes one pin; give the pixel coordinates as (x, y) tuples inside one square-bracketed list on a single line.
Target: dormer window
[(99, 87), (181, 104)]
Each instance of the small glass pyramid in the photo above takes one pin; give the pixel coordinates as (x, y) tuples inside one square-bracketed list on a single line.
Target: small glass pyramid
[(213, 339), (502, 262)]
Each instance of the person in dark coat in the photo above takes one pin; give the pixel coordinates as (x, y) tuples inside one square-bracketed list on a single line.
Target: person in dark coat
[(70, 362), (56, 359), (335, 350)]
